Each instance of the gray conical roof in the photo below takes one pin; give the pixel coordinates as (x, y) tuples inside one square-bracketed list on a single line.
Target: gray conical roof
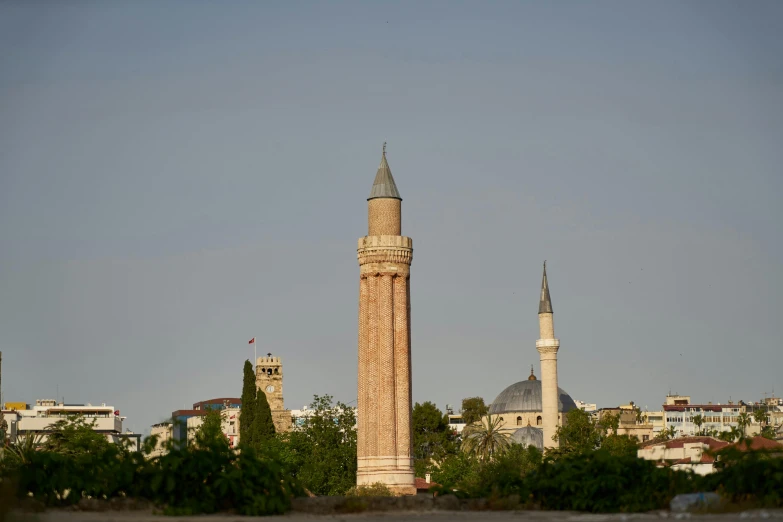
[(384, 186), (545, 305)]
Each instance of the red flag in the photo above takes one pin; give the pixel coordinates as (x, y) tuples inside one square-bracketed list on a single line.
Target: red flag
[(116, 412), (252, 341)]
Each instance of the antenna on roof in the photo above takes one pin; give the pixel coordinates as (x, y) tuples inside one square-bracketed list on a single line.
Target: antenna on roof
[(384, 148)]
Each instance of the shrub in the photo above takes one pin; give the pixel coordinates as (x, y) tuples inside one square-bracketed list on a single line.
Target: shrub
[(206, 478), (374, 490), (749, 477), (601, 482), (503, 476)]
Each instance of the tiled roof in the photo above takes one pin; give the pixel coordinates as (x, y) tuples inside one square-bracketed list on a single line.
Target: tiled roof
[(711, 442), (757, 443), (423, 484), (703, 407), (705, 459)]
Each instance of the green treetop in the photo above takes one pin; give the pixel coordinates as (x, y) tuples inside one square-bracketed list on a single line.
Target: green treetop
[(210, 432), (263, 428), (473, 409), (433, 438), (581, 433), (247, 414)]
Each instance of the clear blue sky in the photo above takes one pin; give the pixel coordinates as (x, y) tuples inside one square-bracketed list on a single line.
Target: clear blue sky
[(178, 177)]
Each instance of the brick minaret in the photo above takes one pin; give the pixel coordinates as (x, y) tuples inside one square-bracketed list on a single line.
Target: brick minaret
[(547, 347), (384, 402)]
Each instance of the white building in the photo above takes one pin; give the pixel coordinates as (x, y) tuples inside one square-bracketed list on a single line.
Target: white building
[(584, 406), (679, 413), (229, 425), (164, 432), (298, 417), (37, 420), (688, 453)]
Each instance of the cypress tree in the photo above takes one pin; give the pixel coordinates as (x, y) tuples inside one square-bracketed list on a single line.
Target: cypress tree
[(263, 427), (247, 414)]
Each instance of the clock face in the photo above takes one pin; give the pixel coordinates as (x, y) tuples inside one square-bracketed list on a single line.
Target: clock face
[(270, 388)]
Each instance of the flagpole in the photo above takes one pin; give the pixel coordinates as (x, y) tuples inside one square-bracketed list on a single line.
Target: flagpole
[(255, 355)]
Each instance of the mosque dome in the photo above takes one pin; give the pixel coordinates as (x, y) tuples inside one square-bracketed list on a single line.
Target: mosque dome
[(529, 436), (525, 396)]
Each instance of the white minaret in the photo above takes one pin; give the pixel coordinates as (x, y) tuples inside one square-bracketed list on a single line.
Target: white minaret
[(547, 347)]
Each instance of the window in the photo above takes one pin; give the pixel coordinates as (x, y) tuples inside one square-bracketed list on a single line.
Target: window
[(645, 438), (538, 421), (519, 421)]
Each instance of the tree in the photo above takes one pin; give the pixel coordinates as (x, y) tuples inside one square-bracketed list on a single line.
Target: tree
[(473, 409), (454, 469), (580, 433), (248, 411), (74, 436), (620, 445), (640, 418), (210, 432), (263, 428), (733, 434), (433, 438), (761, 416), (322, 451), (484, 439), (608, 423), (698, 420), (3, 429), (743, 420), (768, 432), (669, 433)]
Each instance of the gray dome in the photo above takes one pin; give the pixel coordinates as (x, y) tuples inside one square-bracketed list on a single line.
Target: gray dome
[(529, 436), (526, 396)]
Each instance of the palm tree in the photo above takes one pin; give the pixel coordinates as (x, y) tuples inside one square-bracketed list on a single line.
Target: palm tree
[(743, 419), (698, 420), (669, 433), (760, 416), (484, 438)]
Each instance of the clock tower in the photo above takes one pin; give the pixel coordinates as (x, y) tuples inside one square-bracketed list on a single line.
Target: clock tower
[(269, 379)]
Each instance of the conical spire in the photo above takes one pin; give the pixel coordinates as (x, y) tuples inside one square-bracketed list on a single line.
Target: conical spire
[(545, 306), (384, 186)]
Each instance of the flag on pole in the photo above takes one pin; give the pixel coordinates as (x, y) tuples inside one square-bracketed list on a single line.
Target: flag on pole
[(252, 341)]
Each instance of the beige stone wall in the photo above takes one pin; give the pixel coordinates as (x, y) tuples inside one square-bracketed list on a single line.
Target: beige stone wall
[(509, 419), (384, 372), (282, 420), (269, 378), (384, 217)]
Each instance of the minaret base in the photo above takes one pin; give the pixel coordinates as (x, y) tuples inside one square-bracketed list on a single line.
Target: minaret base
[(393, 472)]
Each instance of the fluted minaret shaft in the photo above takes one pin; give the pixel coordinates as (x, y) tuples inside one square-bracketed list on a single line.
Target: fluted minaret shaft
[(547, 346), (384, 398)]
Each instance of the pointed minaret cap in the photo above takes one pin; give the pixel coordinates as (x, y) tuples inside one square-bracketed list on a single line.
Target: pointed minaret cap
[(384, 186), (545, 306)]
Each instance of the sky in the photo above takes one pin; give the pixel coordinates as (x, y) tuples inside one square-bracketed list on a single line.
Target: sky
[(177, 177)]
